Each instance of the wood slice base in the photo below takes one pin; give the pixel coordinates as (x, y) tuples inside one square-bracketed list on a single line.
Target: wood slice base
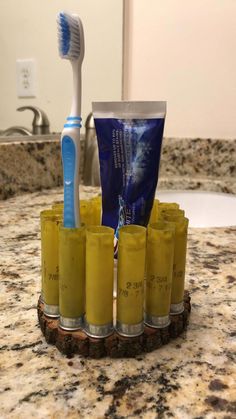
[(115, 346)]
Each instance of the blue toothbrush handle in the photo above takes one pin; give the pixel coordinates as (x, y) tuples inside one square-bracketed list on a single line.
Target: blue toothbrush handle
[(70, 161)]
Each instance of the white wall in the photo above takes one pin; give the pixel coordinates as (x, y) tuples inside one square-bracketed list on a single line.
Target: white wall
[(184, 51), (28, 30)]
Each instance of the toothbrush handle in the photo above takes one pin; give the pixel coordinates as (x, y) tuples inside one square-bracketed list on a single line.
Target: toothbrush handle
[(70, 148), (77, 88)]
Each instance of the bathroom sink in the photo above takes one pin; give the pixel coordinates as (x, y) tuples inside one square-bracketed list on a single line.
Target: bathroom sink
[(204, 209)]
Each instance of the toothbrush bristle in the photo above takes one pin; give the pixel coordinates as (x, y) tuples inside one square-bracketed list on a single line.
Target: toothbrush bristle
[(69, 36)]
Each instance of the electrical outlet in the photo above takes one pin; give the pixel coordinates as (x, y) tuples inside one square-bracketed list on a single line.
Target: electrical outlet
[(26, 78)]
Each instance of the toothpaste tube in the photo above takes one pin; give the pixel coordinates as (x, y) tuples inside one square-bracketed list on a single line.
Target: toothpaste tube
[(129, 141)]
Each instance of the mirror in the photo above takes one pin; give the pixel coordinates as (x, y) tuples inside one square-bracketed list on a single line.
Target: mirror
[(29, 31)]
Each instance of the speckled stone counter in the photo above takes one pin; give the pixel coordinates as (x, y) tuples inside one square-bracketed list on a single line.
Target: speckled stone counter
[(191, 377), (30, 164)]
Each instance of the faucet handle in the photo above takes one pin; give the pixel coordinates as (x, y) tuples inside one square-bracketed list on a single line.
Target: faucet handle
[(40, 122), (89, 123)]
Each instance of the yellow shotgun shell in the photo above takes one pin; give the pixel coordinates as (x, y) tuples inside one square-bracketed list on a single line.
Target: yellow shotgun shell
[(99, 280), (96, 203), (167, 206), (58, 206), (154, 212), (160, 254), (178, 280), (86, 212), (170, 211), (72, 242), (50, 222), (130, 280)]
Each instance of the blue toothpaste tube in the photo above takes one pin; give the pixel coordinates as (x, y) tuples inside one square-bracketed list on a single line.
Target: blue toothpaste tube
[(129, 141)]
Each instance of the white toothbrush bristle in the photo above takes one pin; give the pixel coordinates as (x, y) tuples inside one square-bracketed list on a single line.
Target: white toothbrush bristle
[(69, 36)]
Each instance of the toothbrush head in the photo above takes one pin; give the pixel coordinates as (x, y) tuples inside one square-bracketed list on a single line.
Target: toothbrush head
[(70, 36)]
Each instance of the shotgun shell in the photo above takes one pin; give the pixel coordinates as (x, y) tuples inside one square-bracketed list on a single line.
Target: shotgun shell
[(159, 268), (130, 280), (180, 248), (99, 281), (50, 222), (72, 277)]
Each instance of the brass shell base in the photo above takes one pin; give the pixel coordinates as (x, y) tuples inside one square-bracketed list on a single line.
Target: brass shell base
[(114, 346)]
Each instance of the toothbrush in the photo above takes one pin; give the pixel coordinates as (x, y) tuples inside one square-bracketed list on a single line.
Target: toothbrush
[(71, 47)]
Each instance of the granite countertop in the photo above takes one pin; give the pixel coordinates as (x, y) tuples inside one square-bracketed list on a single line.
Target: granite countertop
[(191, 377)]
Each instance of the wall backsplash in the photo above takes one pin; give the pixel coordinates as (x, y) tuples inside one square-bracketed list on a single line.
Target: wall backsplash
[(33, 165)]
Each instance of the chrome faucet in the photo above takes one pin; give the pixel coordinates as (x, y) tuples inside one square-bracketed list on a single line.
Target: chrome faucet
[(40, 124), (91, 160), (16, 130)]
